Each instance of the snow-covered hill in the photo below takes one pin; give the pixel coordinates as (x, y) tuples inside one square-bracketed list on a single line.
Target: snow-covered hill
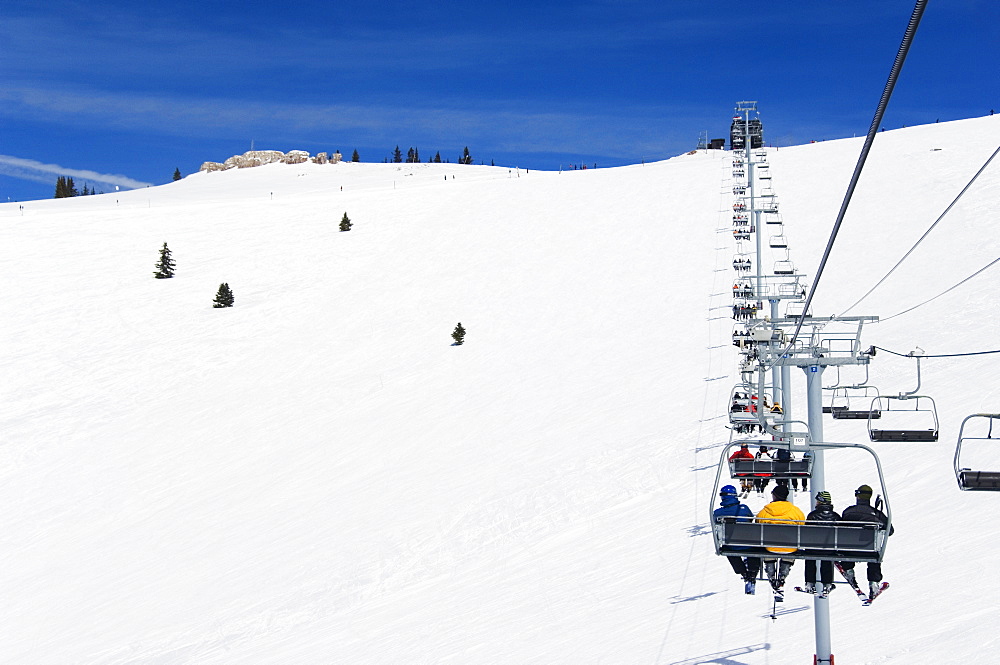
[(317, 476)]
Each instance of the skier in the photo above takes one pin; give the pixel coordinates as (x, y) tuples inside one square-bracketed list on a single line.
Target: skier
[(779, 510), (783, 459), (746, 484), (748, 567), (806, 456), (823, 513), (763, 478), (863, 511)]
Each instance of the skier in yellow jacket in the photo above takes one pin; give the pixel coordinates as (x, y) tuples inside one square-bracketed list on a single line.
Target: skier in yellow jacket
[(778, 511)]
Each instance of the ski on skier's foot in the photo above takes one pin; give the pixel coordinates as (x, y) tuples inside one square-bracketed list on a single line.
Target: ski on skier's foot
[(862, 596), (811, 592), (882, 587)]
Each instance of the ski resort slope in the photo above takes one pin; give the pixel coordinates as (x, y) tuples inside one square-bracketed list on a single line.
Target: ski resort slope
[(318, 476)]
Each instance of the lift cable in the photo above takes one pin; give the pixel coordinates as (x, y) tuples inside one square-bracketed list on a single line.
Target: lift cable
[(897, 66), (926, 233), (983, 269), (941, 355)]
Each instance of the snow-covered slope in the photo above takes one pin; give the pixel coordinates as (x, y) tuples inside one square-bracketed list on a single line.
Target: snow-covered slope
[(317, 476)]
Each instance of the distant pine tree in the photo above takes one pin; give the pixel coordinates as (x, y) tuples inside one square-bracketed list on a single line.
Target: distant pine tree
[(71, 188), (345, 223), (355, 157), (458, 335), (61, 188), (397, 156), (224, 297), (416, 155), (165, 266), (437, 157), (409, 156), (466, 157), (177, 175)]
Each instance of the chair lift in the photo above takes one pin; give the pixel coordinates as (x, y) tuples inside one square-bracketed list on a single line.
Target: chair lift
[(796, 309), (902, 409), (744, 405), (982, 481), (840, 402), (784, 268), (779, 242), (825, 541), (769, 468), (829, 407)]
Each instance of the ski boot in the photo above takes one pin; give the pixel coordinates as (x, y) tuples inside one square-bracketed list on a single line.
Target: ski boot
[(783, 570)]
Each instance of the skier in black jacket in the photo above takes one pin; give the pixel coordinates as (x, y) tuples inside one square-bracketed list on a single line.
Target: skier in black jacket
[(824, 513), (863, 511)]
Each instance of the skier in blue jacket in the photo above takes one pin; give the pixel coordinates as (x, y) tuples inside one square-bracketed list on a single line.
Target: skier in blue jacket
[(747, 567)]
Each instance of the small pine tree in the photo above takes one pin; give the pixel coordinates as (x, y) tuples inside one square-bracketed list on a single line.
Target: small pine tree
[(165, 266), (345, 223), (177, 175), (437, 157), (409, 156), (71, 188), (224, 297), (355, 157), (60, 187), (397, 156), (458, 335), (466, 157)]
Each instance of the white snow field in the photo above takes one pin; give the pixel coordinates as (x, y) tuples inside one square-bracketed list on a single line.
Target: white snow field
[(318, 476)]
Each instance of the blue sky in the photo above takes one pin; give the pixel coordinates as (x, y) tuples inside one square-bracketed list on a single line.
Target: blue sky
[(128, 92)]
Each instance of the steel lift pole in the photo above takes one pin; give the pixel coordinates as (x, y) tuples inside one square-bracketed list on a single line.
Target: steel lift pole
[(814, 401)]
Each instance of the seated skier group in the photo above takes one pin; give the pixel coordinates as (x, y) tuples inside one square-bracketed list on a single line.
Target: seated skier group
[(780, 510)]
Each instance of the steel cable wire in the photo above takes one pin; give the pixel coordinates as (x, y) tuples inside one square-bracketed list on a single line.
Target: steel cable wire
[(921, 239), (897, 66)]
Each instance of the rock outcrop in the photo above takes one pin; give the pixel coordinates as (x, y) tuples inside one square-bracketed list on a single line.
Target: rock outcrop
[(260, 157)]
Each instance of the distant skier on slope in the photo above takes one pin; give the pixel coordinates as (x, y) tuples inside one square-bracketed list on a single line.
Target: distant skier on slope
[(778, 511), (863, 511), (749, 567)]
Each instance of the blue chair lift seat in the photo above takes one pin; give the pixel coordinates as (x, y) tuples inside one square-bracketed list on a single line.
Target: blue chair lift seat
[(969, 479), (844, 413), (775, 469), (883, 404), (842, 541), (979, 480), (913, 435)]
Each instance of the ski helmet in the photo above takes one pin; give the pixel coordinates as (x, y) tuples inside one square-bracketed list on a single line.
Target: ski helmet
[(727, 490)]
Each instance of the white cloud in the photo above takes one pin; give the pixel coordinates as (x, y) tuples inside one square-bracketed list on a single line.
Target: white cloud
[(29, 169)]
